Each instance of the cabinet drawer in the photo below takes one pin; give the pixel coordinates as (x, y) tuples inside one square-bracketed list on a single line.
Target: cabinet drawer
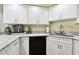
[(60, 39), (66, 40), (53, 39)]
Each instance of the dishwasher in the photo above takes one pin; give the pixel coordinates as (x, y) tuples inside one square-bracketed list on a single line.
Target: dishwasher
[(37, 45)]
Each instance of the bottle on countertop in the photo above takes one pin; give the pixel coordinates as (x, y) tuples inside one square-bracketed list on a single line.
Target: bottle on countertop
[(47, 29)]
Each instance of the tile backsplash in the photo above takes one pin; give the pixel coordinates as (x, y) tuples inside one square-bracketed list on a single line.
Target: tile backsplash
[(36, 28), (70, 25)]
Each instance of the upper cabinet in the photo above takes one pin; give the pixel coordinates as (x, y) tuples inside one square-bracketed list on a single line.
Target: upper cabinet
[(24, 14), (78, 13), (37, 15), (62, 11), (14, 14)]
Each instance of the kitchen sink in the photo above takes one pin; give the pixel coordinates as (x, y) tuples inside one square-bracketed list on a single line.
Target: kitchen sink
[(67, 35)]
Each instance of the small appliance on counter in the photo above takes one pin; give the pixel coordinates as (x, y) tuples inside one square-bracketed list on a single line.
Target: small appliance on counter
[(17, 29), (8, 30)]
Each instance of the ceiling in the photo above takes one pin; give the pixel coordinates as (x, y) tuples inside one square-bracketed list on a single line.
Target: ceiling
[(44, 5)]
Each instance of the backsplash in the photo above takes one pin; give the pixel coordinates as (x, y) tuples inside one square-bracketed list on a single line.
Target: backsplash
[(36, 28), (70, 25)]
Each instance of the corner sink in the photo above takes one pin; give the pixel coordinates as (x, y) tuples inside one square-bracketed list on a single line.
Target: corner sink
[(67, 35)]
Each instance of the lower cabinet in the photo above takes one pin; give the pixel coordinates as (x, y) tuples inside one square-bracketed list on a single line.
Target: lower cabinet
[(11, 49), (24, 46), (15, 48), (18, 47), (5, 51), (52, 48), (66, 49), (75, 47), (56, 46)]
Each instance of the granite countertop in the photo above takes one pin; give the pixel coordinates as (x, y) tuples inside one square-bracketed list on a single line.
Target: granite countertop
[(7, 39), (61, 36), (75, 37)]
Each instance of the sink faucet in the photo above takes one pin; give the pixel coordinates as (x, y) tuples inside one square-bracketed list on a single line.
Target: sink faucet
[(61, 29)]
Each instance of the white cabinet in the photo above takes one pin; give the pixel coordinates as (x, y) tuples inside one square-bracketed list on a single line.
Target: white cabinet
[(52, 48), (58, 46), (5, 51), (15, 48), (78, 13), (14, 14), (11, 49), (37, 15), (1, 19), (22, 14), (24, 45), (75, 47), (70, 11), (66, 49), (62, 11), (9, 14)]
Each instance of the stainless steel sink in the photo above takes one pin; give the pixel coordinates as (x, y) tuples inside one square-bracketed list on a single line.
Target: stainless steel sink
[(67, 35)]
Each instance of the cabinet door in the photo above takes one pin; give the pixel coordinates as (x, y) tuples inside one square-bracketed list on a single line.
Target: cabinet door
[(75, 47), (63, 11), (14, 48), (59, 46), (9, 13), (37, 15), (22, 14), (53, 47), (78, 13), (65, 49), (65, 46), (33, 14), (25, 45), (69, 11), (5, 51), (16, 14), (43, 16)]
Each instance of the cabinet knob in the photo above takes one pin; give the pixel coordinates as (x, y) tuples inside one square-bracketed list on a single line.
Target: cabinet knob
[(58, 45)]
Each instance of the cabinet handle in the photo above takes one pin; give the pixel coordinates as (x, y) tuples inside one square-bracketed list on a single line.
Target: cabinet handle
[(58, 46)]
